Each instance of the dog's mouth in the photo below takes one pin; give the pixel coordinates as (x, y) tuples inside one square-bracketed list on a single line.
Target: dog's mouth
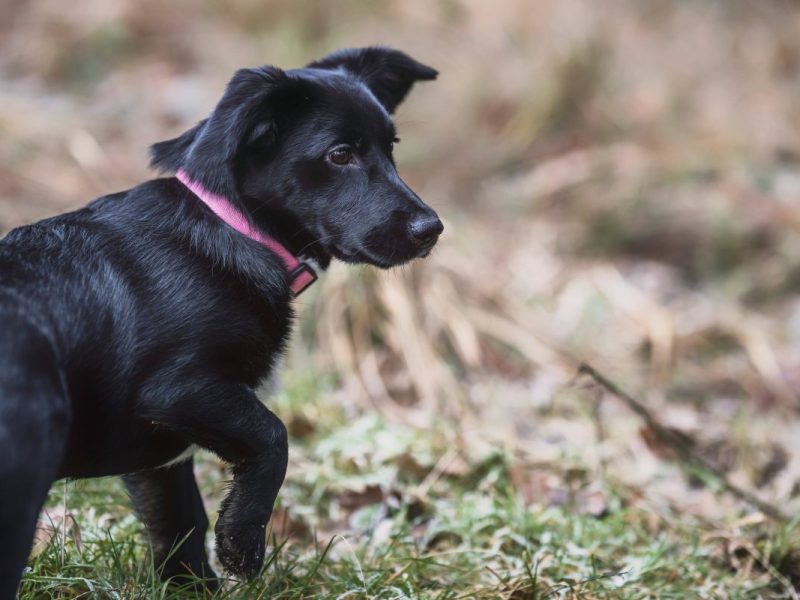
[(387, 261), (360, 257), (347, 255)]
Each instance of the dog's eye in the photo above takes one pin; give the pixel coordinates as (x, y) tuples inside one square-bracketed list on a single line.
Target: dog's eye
[(341, 155)]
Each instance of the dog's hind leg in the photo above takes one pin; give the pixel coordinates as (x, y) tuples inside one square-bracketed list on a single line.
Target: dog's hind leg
[(169, 503), (34, 423)]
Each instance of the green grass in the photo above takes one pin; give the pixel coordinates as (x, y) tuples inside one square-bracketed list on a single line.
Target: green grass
[(369, 520)]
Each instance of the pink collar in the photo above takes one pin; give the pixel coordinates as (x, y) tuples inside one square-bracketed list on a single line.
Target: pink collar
[(301, 275)]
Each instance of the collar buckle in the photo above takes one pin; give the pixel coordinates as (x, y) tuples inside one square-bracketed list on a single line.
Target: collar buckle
[(301, 277)]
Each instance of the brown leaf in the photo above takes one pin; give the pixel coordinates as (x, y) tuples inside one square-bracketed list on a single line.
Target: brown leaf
[(776, 462), (444, 539), (594, 503), (456, 467), (353, 500), (284, 526), (538, 486), (300, 426), (410, 466), (660, 447), (51, 527)]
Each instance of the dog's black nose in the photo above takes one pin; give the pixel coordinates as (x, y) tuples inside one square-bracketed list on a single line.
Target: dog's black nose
[(425, 230)]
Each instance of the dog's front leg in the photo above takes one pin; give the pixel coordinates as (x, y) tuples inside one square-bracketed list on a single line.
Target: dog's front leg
[(231, 422)]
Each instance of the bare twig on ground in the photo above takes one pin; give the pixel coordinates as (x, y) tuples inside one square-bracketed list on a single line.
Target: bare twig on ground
[(688, 459)]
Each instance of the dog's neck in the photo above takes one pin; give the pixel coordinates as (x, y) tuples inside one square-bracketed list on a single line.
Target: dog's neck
[(285, 228), (302, 271)]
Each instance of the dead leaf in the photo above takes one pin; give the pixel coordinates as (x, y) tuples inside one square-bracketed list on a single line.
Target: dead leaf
[(659, 446), (777, 461), (444, 539), (408, 465), (285, 526), (300, 426), (353, 500), (51, 528), (594, 503)]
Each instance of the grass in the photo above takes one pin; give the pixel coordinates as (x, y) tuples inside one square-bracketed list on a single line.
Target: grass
[(371, 510)]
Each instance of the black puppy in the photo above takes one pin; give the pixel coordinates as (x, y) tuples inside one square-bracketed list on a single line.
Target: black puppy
[(140, 326)]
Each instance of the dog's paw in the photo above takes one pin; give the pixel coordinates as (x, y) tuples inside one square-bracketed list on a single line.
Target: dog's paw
[(241, 547)]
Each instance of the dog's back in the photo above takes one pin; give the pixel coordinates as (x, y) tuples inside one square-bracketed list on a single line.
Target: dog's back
[(122, 294)]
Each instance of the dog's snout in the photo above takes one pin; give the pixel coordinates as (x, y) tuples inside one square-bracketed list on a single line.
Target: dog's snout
[(425, 229)]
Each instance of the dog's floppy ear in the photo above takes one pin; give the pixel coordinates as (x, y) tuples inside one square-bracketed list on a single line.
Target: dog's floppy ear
[(246, 111), (388, 73)]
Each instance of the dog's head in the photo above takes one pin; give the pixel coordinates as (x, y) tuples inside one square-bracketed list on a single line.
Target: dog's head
[(307, 154)]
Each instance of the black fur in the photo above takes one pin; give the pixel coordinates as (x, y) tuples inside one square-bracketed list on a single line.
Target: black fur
[(142, 324)]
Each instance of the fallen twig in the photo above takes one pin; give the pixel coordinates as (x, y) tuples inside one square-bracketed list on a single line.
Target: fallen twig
[(688, 459)]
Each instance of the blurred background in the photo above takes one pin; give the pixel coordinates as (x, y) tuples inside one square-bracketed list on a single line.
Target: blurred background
[(620, 184)]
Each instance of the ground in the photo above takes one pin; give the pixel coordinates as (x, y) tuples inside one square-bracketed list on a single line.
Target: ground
[(620, 186)]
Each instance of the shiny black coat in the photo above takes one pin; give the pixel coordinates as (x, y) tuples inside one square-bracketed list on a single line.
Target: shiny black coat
[(141, 325)]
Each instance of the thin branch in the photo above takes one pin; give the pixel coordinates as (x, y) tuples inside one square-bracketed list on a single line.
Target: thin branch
[(689, 460)]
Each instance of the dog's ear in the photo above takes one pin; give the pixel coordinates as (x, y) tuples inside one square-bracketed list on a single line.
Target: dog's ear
[(170, 155), (245, 114), (388, 73)]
